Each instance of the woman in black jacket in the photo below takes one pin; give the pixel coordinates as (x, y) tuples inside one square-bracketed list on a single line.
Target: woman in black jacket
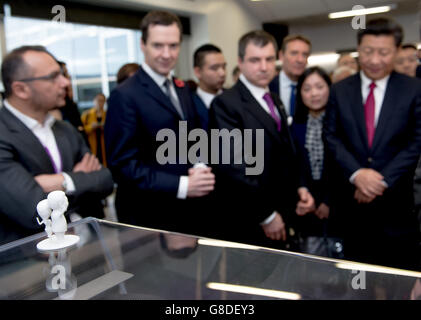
[(314, 228)]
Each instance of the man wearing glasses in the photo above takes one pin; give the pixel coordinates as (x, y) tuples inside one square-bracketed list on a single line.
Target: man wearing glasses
[(37, 153)]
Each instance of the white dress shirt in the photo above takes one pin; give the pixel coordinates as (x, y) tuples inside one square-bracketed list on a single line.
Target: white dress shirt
[(285, 90), (159, 79), (206, 96), (379, 93), (45, 135), (258, 93)]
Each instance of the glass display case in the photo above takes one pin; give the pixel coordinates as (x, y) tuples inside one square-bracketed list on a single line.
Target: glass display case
[(116, 261)]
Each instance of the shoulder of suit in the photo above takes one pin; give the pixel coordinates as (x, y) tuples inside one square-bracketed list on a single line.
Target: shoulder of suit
[(399, 77), (351, 80), (232, 93), (64, 125)]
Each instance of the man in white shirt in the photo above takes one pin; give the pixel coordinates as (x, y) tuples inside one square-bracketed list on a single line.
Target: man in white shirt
[(294, 54), (209, 68), (373, 129), (37, 153), (260, 204), (149, 193)]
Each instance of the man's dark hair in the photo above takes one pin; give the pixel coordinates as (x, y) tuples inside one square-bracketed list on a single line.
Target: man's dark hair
[(14, 67), (409, 46), (201, 52), (382, 26), (162, 18), (126, 70), (259, 38), (293, 37)]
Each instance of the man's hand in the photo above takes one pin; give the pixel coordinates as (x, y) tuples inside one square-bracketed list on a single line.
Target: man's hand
[(275, 229), (306, 202), (89, 163), (50, 182), (201, 182), (370, 183), (322, 211), (361, 198)]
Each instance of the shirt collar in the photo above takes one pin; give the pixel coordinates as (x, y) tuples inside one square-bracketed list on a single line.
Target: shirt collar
[(206, 96), (318, 119), (285, 81), (28, 121), (255, 91), (365, 81), (158, 78)]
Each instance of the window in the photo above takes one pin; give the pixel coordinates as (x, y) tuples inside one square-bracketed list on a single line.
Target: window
[(93, 54)]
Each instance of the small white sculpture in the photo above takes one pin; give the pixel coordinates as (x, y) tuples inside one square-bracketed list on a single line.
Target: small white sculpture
[(44, 211), (55, 206), (58, 202)]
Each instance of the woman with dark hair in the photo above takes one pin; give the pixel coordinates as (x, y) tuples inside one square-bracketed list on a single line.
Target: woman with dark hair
[(312, 96)]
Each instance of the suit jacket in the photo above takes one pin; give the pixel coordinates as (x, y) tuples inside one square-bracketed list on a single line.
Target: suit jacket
[(394, 153), (322, 190), (247, 200), (202, 111), (299, 131), (274, 85), (417, 186), (147, 191), (22, 157)]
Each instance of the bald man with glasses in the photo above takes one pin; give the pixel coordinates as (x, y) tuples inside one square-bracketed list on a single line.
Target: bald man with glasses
[(39, 154)]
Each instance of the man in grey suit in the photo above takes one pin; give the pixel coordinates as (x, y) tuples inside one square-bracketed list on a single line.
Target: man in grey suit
[(37, 153)]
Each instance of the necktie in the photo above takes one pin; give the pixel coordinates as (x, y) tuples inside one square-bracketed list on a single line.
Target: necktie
[(292, 100), (271, 106), (369, 108), (172, 98)]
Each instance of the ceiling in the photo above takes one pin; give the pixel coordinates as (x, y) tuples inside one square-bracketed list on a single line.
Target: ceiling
[(304, 11), (277, 11)]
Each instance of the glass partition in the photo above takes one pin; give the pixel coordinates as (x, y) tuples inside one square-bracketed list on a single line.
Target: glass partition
[(115, 261)]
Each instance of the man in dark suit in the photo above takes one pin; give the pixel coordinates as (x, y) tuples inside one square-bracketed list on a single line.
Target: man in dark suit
[(254, 208), (294, 54), (152, 192), (38, 154), (209, 68), (373, 129)]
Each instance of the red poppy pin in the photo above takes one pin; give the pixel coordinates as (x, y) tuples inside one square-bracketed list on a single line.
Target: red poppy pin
[(179, 83)]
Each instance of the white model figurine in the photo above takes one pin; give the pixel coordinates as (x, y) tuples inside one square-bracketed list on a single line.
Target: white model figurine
[(58, 202), (55, 206), (44, 211)]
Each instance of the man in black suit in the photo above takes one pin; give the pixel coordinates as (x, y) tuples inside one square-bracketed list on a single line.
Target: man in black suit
[(254, 208), (209, 68), (373, 129), (294, 54), (152, 192), (37, 153)]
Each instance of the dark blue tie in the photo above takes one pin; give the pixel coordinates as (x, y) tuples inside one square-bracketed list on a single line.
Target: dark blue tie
[(292, 100)]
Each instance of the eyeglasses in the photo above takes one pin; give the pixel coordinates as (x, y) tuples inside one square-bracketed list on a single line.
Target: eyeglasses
[(53, 76)]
